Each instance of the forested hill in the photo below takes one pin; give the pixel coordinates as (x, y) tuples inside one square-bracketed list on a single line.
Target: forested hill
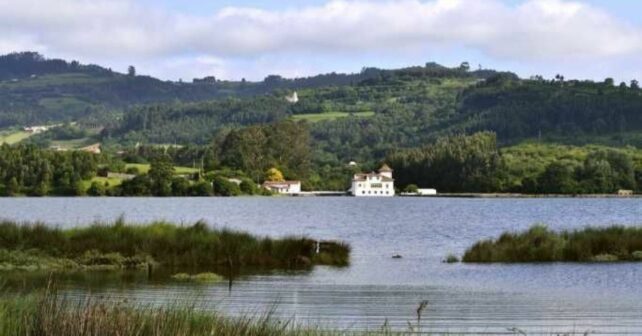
[(536, 108), (362, 116), (409, 108), (36, 90)]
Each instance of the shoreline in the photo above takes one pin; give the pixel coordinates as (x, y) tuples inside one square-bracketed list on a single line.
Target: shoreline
[(324, 194), (510, 195)]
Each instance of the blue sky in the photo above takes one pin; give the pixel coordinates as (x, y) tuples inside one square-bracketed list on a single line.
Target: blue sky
[(172, 39)]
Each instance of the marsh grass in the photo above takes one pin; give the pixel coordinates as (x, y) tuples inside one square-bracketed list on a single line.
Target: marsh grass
[(539, 244), (49, 314), (200, 277), (124, 246), (451, 259)]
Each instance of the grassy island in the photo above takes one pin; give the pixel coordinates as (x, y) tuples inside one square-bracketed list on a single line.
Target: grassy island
[(539, 244), (125, 246)]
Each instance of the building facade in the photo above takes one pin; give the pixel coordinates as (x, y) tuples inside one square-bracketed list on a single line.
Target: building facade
[(283, 187), (379, 184)]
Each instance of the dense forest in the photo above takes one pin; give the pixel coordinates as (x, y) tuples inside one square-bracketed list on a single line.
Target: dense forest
[(475, 163)]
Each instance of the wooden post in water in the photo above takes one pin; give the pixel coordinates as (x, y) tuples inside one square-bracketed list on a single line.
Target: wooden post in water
[(150, 269), (230, 273)]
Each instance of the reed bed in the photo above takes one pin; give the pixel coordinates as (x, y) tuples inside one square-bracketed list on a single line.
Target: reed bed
[(120, 245), (49, 314), (539, 244)]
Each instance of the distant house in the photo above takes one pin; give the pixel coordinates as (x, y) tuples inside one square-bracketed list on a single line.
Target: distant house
[(625, 193), (95, 149), (36, 129), (379, 184), (294, 98), (283, 187)]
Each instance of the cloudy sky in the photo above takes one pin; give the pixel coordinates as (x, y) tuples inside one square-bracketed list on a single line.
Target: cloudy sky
[(174, 39)]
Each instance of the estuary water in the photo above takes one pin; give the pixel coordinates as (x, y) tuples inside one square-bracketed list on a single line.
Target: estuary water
[(377, 290)]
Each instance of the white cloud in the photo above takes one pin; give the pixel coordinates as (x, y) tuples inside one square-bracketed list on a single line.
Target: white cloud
[(120, 30)]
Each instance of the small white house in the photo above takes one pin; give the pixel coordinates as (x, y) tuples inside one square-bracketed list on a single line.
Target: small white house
[(36, 129), (293, 99), (379, 184), (283, 187)]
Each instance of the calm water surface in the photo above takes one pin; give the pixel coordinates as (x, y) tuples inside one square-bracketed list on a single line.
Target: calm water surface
[(376, 289)]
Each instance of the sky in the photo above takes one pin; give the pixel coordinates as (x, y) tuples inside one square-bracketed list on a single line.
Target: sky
[(184, 39)]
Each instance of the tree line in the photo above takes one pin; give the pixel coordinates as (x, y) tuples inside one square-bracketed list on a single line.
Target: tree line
[(474, 163)]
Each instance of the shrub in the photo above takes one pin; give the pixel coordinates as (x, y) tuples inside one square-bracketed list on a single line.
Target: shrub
[(411, 189), (223, 187), (451, 259), (132, 170), (97, 189), (248, 187), (604, 258)]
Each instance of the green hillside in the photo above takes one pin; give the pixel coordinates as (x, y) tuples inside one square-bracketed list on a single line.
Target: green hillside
[(361, 117)]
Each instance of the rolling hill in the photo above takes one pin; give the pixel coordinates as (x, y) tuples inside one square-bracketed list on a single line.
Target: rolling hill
[(360, 116)]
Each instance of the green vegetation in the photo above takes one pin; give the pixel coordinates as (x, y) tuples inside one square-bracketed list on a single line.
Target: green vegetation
[(451, 259), (200, 277), (425, 120), (13, 136), (539, 244), (105, 181), (452, 164), (32, 171), (143, 168), (475, 164), (28, 170), (316, 117), (118, 245), (52, 314), (238, 161), (549, 168)]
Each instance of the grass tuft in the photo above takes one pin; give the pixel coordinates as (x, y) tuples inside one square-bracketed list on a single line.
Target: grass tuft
[(200, 277)]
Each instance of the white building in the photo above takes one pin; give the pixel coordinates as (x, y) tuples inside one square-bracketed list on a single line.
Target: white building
[(36, 129), (283, 187), (426, 192), (294, 98), (374, 184)]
